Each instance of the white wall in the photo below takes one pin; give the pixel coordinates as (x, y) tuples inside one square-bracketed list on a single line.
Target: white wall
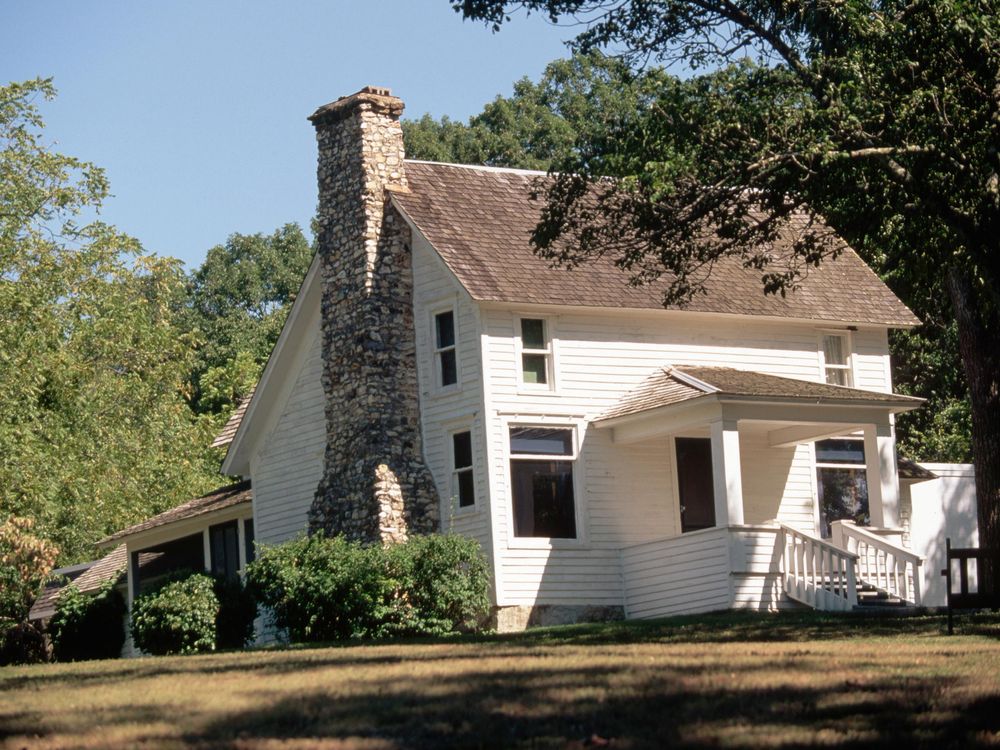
[(942, 508), (625, 492)]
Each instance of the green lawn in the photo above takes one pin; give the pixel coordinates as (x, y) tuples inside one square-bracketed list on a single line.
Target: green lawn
[(731, 680)]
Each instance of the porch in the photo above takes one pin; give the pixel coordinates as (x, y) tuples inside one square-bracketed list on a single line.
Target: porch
[(755, 528)]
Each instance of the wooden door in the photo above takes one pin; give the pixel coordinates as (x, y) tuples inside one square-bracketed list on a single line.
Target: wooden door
[(694, 483)]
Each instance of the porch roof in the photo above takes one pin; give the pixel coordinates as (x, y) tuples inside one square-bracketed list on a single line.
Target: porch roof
[(682, 384), (225, 497)]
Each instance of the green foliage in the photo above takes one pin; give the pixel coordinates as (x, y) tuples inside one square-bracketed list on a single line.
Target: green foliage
[(95, 432), (237, 301), (25, 563), (237, 612), (88, 626), (322, 589), (177, 618), (23, 643)]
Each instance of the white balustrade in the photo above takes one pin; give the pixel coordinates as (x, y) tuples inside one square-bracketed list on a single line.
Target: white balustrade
[(817, 573), (887, 567)]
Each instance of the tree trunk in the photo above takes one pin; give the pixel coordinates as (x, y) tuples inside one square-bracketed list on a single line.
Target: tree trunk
[(979, 344)]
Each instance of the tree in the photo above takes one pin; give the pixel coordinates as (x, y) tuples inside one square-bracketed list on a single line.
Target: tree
[(237, 302), (25, 563), (884, 118), (95, 433)]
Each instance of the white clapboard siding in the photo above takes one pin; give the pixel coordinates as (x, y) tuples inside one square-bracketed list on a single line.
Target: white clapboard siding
[(444, 412), (289, 465), (625, 494), (682, 575)]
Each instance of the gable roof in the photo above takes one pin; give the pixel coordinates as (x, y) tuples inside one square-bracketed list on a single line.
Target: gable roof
[(219, 499), (479, 219), (228, 432), (673, 385)]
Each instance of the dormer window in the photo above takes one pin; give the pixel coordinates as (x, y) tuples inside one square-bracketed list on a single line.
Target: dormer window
[(536, 353), (836, 359), (446, 361)]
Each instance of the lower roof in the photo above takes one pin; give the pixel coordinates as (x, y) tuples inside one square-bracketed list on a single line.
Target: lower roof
[(681, 383)]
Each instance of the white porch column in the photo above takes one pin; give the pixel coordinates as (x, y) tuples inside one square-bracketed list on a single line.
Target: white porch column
[(206, 541), (727, 480), (882, 476), (131, 576)]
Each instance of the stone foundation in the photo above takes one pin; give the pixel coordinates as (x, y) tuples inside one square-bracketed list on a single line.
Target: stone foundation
[(376, 486), (520, 617)]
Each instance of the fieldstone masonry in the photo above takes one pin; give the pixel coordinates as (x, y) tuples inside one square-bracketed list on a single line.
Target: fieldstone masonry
[(376, 486)]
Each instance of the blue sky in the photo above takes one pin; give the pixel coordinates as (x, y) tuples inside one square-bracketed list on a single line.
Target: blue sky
[(197, 108)]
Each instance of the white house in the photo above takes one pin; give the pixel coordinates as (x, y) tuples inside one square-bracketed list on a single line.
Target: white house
[(612, 457)]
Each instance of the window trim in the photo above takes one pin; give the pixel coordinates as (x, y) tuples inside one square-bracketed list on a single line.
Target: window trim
[(577, 428), (454, 500), (817, 465), (436, 351), (548, 323), (848, 366)]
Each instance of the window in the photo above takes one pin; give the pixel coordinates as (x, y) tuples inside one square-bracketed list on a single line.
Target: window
[(536, 353), (225, 543), (462, 481), (541, 469), (444, 349), (842, 482), (836, 362), (249, 552)]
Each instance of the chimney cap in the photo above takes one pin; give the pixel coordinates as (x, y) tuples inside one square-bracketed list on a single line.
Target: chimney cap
[(379, 98)]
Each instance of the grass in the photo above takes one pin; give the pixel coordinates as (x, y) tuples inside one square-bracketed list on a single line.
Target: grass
[(734, 680)]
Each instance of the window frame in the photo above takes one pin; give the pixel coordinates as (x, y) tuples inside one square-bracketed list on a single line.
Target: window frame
[(847, 367), (819, 465), (437, 351), (576, 428), (455, 498), (549, 352)]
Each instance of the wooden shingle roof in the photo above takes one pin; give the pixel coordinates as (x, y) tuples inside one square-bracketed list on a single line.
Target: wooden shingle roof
[(225, 437), (673, 385), (480, 220), (224, 497), (109, 567)]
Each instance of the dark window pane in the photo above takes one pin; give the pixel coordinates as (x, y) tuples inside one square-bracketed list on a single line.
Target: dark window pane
[(544, 441), (248, 540), (533, 368), (836, 377), (543, 499), (445, 325), (833, 350), (462, 442), (843, 495), (840, 451), (449, 368), (466, 489), (532, 333), (224, 542)]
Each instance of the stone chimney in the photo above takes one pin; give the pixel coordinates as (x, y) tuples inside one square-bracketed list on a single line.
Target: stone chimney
[(375, 486)]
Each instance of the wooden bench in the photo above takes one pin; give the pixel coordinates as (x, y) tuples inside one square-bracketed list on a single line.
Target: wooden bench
[(983, 597)]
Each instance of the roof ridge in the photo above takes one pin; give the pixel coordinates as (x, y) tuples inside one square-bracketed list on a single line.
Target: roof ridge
[(677, 373), (480, 167)]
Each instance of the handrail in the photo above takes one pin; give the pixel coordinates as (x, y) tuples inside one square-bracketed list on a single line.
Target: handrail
[(882, 564), (817, 572)]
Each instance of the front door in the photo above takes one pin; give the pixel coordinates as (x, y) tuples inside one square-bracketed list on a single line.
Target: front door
[(694, 483)]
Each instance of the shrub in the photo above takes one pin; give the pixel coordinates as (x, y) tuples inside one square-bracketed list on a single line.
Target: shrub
[(323, 589), (23, 643), (447, 583), (237, 611), (88, 626), (176, 618)]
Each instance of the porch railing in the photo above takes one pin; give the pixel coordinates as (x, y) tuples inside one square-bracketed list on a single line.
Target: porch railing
[(818, 573), (883, 565)]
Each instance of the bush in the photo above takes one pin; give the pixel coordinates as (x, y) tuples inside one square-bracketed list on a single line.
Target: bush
[(88, 626), (237, 611), (23, 643), (322, 589), (25, 563), (177, 618)]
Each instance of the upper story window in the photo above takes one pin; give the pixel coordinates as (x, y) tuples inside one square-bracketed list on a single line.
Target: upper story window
[(446, 361), (836, 359), (541, 470), (536, 353), (462, 480)]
